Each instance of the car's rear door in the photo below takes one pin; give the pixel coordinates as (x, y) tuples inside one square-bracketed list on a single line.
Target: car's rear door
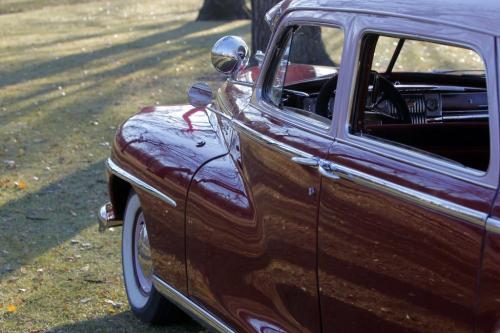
[(400, 232)]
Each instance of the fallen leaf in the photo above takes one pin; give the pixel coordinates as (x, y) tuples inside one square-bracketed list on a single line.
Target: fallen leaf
[(11, 308), (21, 185)]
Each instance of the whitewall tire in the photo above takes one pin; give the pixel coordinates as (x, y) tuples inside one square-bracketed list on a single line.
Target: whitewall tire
[(146, 303)]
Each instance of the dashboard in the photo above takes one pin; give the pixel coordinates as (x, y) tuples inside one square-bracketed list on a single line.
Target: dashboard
[(426, 103), (437, 104)]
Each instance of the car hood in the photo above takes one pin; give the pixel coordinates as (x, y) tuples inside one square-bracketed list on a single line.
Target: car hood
[(169, 143)]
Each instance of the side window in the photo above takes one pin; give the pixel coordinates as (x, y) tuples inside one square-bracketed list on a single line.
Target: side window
[(424, 96), (305, 72)]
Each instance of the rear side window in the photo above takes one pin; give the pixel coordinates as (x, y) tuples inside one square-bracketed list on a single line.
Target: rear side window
[(424, 96)]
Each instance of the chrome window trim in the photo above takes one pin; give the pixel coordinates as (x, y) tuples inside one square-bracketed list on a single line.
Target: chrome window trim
[(191, 307), (493, 225), (301, 16), (472, 216), (116, 170)]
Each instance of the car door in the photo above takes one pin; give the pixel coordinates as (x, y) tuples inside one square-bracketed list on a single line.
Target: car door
[(252, 215), (400, 231)]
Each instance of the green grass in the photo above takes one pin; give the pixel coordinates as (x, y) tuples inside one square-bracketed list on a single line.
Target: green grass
[(70, 72)]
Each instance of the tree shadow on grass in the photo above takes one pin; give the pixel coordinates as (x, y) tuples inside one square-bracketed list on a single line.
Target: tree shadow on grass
[(50, 216), (194, 47), (126, 322), (29, 5), (80, 60)]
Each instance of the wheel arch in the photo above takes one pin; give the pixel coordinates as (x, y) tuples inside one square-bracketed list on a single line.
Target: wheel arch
[(119, 191)]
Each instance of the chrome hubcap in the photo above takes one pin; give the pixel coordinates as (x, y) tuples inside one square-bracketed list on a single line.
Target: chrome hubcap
[(142, 256)]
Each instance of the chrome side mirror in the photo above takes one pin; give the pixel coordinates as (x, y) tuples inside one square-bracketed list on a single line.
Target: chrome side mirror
[(200, 95), (230, 55)]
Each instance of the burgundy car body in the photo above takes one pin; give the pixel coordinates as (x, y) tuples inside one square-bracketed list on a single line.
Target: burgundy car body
[(247, 240)]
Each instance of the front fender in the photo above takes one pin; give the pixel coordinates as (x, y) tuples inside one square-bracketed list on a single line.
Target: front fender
[(164, 147)]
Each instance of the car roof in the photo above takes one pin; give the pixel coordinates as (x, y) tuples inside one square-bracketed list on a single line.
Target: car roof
[(477, 15)]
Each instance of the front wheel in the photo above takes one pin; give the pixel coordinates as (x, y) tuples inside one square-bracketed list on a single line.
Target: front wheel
[(145, 301)]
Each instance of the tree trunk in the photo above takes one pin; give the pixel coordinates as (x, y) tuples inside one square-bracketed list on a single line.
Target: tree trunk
[(308, 47), (223, 10), (260, 30)]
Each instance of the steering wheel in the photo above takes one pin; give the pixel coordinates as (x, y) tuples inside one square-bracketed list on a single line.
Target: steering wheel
[(383, 89)]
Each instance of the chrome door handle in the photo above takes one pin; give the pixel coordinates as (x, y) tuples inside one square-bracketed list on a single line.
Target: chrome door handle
[(307, 161), (327, 169)]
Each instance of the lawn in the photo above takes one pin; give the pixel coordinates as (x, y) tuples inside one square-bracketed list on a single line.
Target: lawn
[(70, 72)]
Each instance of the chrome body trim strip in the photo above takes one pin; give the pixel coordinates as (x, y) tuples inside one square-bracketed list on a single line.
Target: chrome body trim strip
[(193, 309), (444, 206), (493, 225), (306, 161), (125, 175)]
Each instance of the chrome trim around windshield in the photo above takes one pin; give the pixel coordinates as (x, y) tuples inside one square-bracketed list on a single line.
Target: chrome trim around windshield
[(127, 176), (191, 307), (422, 199), (493, 225)]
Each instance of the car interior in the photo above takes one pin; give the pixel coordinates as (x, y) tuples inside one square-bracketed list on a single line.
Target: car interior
[(425, 96)]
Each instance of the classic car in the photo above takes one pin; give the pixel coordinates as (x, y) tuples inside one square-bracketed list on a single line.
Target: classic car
[(347, 181)]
